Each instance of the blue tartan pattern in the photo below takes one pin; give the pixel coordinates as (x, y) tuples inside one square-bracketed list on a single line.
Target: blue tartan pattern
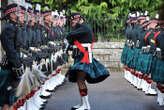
[(138, 63), (3, 77), (124, 54), (145, 63), (154, 72), (157, 70), (136, 57), (6, 97), (4, 83), (12, 97), (129, 59), (95, 70)]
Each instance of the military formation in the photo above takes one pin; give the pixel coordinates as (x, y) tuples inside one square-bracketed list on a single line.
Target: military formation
[(143, 54), (34, 47)]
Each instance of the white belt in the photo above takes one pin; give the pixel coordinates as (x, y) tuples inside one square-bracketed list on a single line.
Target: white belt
[(84, 45), (88, 45)]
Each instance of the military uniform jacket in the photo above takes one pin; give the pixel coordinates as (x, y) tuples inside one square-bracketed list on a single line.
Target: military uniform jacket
[(160, 43), (46, 35), (140, 36), (8, 40), (81, 33), (150, 41)]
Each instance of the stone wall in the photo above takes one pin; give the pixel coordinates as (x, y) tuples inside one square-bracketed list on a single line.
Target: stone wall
[(109, 53)]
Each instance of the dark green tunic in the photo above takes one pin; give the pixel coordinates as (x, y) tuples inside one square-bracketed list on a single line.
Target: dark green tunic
[(158, 64)]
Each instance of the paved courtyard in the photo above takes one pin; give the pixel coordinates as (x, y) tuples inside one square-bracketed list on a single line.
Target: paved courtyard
[(115, 93)]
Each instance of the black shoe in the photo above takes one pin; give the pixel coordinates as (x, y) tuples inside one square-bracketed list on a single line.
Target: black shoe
[(73, 108), (50, 90), (45, 97)]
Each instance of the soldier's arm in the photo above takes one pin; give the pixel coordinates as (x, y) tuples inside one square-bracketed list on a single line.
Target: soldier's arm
[(77, 32), (8, 39)]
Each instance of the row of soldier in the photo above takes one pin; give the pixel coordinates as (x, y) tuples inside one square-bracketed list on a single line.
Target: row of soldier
[(143, 52), (35, 49), (37, 28)]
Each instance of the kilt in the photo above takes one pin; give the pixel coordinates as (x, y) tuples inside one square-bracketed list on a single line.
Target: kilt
[(138, 63), (136, 57), (144, 63), (124, 54), (157, 73), (96, 72), (129, 59), (6, 96)]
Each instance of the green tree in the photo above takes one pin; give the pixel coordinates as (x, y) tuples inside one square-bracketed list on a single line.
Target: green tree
[(113, 12)]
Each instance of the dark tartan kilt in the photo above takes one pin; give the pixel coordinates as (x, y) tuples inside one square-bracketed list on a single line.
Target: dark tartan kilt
[(6, 97), (96, 72), (138, 63), (4, 94), (129, 59), (157, 70), (136, 57), (124, 54), (144, 63)]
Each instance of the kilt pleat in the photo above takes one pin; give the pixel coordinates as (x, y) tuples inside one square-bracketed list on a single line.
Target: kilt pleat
[(136, 57), (129, 59), (145, 63), (124, 54), (158, 70), (4, 83), (96, 72)]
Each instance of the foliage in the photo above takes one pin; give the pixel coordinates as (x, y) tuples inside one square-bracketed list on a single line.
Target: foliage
[(114, 11)]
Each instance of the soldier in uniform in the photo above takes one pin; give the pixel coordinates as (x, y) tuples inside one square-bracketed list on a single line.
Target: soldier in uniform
[(85, 67), (47, 24), (126, 47), (157, 73), (13, 63), (55, 19), (130, 45), (139, 44), (146, 58)]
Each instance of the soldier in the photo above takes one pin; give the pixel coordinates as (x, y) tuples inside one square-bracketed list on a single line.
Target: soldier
[(130, 44), (13, 62), (47, 25), (158, 61), (38, 25), (85, 67), (126, 46), (55, 19), (133, 49), (139, 44), (147, 57), (61, 26), (29, 24)]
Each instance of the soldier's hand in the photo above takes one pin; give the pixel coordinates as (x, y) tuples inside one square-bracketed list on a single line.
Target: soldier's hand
[(18, 72)]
